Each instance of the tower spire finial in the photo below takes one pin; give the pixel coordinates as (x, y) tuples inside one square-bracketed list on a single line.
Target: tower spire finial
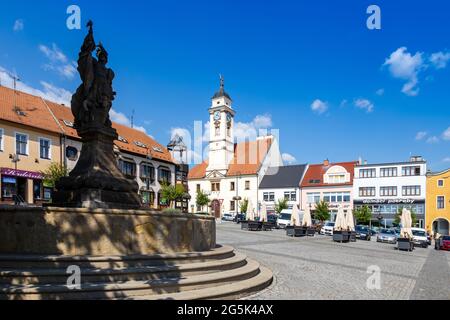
[(222, 81)]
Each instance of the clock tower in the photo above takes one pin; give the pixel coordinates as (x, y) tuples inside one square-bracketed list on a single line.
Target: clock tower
[(221, 137)]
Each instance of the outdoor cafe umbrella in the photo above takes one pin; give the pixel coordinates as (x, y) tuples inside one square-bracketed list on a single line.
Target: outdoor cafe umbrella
[(350, 222), (406, 222), (295, 216), (250, 213), (340, 224), (307, 220), (263, 213)]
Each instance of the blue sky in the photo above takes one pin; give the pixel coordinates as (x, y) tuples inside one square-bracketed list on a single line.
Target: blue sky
[(311, 69)]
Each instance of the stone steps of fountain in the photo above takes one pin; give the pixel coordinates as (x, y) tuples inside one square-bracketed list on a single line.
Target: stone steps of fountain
[(221, 274)]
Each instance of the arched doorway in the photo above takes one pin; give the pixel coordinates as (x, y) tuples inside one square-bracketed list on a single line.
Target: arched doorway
[(216, 209), (441, 226)]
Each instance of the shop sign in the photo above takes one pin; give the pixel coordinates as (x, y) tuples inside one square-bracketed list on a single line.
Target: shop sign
[(388, 201), (21, 174)]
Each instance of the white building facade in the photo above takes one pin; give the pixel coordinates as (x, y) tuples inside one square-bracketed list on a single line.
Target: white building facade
[(388, 187), (233, 170)]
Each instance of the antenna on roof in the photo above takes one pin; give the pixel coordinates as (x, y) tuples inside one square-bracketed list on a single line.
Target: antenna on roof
[(132, 120), (15, 79)]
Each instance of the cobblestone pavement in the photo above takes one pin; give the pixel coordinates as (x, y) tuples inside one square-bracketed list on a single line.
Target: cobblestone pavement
[(318, 268)]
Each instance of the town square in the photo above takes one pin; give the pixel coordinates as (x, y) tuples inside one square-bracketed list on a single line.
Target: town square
[(192, 153)]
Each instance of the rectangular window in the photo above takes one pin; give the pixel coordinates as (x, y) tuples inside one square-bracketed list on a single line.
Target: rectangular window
[(215, 186), (272, 196), (127, 168), (293, 196), (37, 189), (147, 172), (198, 188), (388, 172), (21, 144), (44, 148), (388, 191), (367, 192), (287, 196), (346, 196), (232, 186), (247, 185), (367, 173), (411, 171), (8, 187), (1, 139), (440, 183), (48, 193), (313, 197), (411, 191), (164, 175), (441, 202), (266, 196), (232, 206)]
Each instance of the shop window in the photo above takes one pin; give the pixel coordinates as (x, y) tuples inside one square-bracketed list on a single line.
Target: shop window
[(21, 144), (37, 189), (72, 153), (48, 193), (8, 187), (148, 198), (44, 148)]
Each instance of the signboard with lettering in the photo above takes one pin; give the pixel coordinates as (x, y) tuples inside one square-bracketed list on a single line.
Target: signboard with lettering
[(21, 174), (390, 201)]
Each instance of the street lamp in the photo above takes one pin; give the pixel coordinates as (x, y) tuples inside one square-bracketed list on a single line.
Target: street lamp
[(237, 199), (380, 218), (186, 197), (14, 159)]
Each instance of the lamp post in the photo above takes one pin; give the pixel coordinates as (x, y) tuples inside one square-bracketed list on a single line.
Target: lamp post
[(186, 197), (380, 218), (14, 159)]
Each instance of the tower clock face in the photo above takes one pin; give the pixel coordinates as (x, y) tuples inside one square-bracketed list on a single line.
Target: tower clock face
[(217, 116), (229, 118)]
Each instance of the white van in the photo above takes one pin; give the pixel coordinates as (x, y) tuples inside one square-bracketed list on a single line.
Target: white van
[(284, 219)]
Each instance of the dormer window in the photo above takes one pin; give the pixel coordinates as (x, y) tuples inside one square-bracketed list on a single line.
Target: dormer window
[(158, 149), (140, 144), (19, 112), (122, 139), (68, 123)]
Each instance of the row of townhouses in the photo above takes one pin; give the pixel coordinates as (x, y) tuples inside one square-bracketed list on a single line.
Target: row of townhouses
[(34, 133), (254, 170)]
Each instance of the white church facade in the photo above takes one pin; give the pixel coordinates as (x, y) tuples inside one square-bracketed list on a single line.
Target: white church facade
[(233, 171)]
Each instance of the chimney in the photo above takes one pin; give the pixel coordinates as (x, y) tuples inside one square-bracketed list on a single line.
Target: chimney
[(326, 163)]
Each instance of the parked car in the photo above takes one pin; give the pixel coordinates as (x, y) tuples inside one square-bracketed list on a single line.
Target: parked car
[(387, 236), (273, 218), (227, 217), (239, 218), (363, 233), (442, 243), (420, 237), (327, 229), (284, 219)]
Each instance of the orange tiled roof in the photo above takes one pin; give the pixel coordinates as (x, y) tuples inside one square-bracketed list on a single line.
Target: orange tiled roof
[(247, 159), (316, 172), (35, 112), (38, 115)]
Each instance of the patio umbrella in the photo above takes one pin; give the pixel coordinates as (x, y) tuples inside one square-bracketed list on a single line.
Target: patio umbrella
[(250, 213), (307, 220), (339, 225), (406, 222), (263, 213), (295, 217), (350, 222)]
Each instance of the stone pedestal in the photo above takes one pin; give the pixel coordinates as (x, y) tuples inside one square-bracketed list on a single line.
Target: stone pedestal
[(96, 181)]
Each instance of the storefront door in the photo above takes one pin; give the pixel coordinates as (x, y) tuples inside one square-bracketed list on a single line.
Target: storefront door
[(22, 189)]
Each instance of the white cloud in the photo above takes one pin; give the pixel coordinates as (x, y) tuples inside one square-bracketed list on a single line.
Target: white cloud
[(421, 135), (364, 104), (446, 134), (58, 61), (343, 103), (18, 25), (403, 65), (290, 159), (48, 91), (319, 106), (248, 131), (433, 140), (121, 118), (440, 59), (380, 92)]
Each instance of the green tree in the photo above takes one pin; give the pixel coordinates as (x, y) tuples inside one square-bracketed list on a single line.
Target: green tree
[(322, 211), (282, 204), (244, 206), (363, 214), (399, 214), (53, 173), (202, 199), (172, 193)]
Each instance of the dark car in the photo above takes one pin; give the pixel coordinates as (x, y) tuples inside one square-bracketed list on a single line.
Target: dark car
[(363, 233), (239, 218), (443, 243)]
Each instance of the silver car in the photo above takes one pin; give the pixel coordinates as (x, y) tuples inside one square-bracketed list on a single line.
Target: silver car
[(387, 236)]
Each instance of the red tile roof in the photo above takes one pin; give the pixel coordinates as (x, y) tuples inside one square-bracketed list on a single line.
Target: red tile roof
[(26, 109), (41, 114), (316, 171), (247, 159)]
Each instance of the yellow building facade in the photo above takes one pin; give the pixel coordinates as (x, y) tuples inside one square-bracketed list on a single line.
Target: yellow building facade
[(25, 152), (438, 202)]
